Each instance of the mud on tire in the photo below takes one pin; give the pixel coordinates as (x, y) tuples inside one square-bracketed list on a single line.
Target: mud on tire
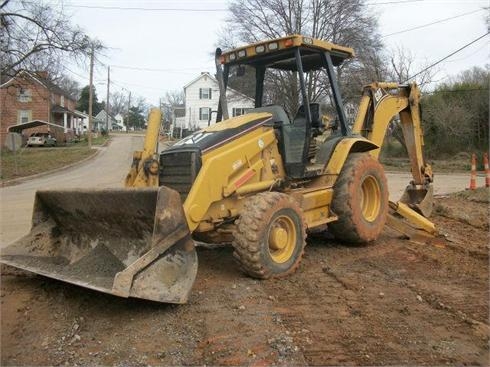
[(270, 235), (360, 200)]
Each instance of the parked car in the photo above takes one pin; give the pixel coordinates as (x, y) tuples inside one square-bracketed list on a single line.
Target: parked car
[(41, 140)]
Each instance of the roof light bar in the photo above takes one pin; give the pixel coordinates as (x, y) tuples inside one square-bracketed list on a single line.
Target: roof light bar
[(308, 40), (259, 49), (273, 46)]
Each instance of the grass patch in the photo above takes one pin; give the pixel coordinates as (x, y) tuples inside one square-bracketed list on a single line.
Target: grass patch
[(31, 161), (96, 141)]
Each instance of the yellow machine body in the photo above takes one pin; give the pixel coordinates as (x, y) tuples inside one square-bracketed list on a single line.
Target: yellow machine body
[(211, 185)]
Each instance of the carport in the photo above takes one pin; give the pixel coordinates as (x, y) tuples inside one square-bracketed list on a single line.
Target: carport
[(56, 131), (31, 124)]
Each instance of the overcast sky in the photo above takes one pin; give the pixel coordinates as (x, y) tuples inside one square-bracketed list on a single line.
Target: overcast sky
[(181, 43)]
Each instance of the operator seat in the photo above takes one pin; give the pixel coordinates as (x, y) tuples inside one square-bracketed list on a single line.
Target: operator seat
[(295, 141), (300, 118)]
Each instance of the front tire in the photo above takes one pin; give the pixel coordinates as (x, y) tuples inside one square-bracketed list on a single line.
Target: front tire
[(270, 234), (360, 200)]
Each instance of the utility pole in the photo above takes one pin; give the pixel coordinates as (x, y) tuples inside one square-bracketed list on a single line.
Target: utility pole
[(90, 97), (127, 120), (162, 122), (107, 99)]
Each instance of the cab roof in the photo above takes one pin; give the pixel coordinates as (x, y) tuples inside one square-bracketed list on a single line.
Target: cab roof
[(279, 53)]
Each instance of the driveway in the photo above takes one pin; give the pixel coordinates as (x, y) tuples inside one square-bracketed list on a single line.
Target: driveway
[(110, 167)]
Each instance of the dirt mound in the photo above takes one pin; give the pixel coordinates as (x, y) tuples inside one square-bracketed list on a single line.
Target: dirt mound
[(469, 206)]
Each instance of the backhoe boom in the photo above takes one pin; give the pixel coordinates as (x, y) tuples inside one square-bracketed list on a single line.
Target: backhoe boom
[(381, 104)]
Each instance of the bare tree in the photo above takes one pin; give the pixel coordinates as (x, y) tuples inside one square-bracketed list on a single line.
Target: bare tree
[(171, 100), (119, 103), (35, 36), (402, 67), (346, 22), (66, 83)]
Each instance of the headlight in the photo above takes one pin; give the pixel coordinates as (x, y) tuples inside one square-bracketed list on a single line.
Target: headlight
[(272, 46), (242, 53), (259, 49), (308, 40)]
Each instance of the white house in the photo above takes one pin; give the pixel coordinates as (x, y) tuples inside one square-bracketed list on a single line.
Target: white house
[(120, 122), (81, 123), (102, 119), (201, 99)]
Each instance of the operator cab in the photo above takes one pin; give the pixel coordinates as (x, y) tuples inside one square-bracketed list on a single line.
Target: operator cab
[(299, 54)]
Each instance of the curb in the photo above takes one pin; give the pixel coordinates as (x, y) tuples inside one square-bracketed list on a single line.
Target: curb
[(15, 181)]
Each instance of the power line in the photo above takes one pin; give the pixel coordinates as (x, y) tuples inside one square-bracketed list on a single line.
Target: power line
[(74, 73), (448, 56), (155, 69), (470, 55), (189, 10), (456, 90), (425, 1), (432, 23), (395, 2), (134, 85)]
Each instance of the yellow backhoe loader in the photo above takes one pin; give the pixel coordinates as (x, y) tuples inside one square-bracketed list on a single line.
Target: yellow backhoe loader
[(261, 181)]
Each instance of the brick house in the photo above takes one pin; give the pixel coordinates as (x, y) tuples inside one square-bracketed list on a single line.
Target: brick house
[(32, 96)]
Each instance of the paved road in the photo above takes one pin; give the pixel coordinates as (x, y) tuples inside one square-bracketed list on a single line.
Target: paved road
[(444, 183), (109, 168)]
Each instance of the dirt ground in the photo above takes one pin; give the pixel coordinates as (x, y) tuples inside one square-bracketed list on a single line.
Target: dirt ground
[(389, 303)]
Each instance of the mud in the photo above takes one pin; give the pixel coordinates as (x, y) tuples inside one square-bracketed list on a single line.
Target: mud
[(392, 302), (99, 262)]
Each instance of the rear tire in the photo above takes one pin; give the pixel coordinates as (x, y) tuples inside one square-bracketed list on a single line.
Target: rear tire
[(270, 234), (360, 200)]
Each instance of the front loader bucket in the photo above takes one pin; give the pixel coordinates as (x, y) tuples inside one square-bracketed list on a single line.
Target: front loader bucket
[(126, 242)]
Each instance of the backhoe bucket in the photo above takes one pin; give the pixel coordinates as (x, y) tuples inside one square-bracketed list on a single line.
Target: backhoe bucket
[(419, 199), (126, 242)]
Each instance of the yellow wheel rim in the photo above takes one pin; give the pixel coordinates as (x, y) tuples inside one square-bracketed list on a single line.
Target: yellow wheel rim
[(370, 198), (282, 239)]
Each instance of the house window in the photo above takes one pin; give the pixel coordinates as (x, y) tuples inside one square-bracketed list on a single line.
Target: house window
[(24, 95), (238, 111), (62, 101), (204, 113), (24, 116), (204, 93)]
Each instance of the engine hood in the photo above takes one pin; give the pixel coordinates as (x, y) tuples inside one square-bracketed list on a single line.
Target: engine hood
[(222, 132)]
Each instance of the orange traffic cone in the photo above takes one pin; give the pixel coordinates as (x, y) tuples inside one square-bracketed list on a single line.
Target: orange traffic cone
[(487, 170), (473, 172)]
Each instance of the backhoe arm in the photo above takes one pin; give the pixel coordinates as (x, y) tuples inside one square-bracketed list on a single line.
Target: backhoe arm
[(144, 169), (381, 103)]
